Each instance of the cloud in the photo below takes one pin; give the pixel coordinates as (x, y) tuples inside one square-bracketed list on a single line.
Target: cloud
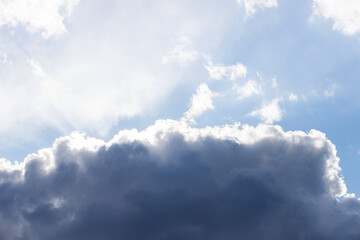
[(180, 53), (172, 181), (232, 72), (249, 89), (36, 68), (330, 91), (274, 83), (201, 101), (269, 112), (293, 97), (251, 6), (4, 58), (37, 15), (344, 14), (109, 67)]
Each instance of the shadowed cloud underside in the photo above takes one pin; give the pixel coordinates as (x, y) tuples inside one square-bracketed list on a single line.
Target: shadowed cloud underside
[(172, 181)]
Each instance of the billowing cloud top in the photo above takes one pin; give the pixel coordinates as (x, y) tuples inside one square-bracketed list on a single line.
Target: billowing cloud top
[(172, 181)]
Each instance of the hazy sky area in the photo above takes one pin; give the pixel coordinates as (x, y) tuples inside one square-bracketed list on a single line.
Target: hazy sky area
[(179, 119)]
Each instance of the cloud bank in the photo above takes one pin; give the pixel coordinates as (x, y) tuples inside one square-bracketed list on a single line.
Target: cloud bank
[(172, 181)]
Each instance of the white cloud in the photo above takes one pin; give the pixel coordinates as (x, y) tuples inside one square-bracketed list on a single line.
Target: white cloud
[(330, 91), (36, 68), (249, 89), (4, 58), (37, 15), (107, 70), (269, 112), (251, 6), (293, 97), (274, 83), (232, 72), (201, 101), (180, 53), (344, 13)]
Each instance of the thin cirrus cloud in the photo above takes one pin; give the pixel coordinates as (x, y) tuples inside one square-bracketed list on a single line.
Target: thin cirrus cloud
[(46, 17), (330, 91), (343, 13), (172, 181)]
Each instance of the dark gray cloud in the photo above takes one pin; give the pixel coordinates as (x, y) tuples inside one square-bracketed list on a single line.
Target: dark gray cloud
[(176, 182)]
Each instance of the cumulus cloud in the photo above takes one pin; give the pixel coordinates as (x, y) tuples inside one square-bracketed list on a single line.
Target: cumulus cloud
[(251, 6), (249, 89), (172, 181), (37, 15), (269, 112), (201, 101), (344, 14), (180, 53), (232, 72)]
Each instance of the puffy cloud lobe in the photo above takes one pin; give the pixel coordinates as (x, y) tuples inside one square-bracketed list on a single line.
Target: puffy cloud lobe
[(344, 13), (172, 181), (249, 89), (37, 15), (201, 101), (251, 6), (269, 112)]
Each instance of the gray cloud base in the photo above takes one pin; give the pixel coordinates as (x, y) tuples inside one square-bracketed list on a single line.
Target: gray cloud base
[(172, 181)]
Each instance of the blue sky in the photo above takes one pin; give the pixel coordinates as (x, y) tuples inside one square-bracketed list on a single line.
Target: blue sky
[(100, 67)]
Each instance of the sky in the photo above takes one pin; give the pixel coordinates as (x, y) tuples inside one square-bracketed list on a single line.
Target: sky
[(246, 109)]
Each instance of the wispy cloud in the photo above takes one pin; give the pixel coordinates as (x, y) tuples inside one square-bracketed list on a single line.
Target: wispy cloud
[(231, 72), (293, 97), (330, 91), (180, 53)]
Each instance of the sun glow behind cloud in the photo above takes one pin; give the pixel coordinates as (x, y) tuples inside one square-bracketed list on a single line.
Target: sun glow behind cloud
[(90, 66)]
